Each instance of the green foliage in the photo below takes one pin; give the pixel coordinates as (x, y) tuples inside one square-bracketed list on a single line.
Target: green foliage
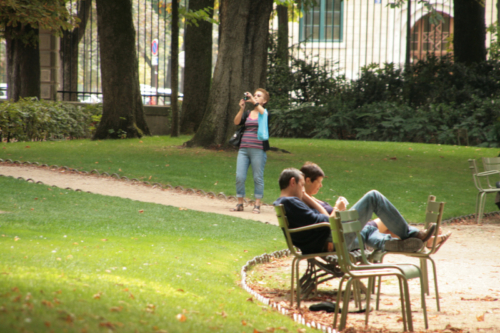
[(494, 49), (32, 120), (301, 81), (434, 101), (51, 15)]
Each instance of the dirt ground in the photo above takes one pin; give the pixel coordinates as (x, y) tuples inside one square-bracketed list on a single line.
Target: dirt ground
[(468, 264)]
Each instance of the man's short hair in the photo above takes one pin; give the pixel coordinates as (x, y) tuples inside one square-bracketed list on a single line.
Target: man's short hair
[(287, 175), (312, 171)]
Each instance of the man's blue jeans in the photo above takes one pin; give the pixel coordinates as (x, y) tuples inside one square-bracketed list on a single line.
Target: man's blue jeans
[(246, 157), (376, 202)]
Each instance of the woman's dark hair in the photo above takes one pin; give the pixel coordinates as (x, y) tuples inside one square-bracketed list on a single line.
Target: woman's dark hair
[(312, 171), (287, 175)]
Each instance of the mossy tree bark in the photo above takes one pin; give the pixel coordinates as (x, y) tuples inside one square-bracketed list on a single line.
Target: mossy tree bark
[(123, 114), (198, 69), (469, 37), (240, 67)]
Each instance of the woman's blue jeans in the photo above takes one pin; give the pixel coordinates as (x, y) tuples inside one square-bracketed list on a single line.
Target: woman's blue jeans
[(246, 157), (376, 202)]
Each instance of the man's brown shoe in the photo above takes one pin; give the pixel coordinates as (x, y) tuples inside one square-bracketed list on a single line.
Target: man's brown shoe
[(424, 235)]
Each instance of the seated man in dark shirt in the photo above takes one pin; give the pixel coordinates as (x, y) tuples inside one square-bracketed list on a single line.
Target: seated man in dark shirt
[(302, 210)]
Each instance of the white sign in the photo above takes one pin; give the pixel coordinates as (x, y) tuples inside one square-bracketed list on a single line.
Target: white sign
[(154, 61)]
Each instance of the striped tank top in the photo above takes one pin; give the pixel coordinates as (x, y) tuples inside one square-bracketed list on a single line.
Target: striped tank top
[(249, 139)]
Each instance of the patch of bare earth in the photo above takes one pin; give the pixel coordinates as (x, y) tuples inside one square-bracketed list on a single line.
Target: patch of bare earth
[(468, 267)]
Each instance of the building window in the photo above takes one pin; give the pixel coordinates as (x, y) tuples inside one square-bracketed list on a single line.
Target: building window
[(429, 38), (323, 22)]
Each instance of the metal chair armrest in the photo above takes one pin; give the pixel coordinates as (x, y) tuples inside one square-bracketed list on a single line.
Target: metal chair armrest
[(309, 227)]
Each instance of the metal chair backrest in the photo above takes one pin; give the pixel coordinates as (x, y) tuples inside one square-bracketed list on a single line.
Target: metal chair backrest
[(433, 212), (491, 163), (283, 223), (343, 223), (473, 168)]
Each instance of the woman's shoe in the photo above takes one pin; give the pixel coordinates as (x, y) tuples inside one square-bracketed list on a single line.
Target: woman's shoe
[(238, 208), (444, 238), (256, 210)]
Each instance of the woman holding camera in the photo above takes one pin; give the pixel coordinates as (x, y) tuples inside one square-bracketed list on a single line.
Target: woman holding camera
[(252, 151)]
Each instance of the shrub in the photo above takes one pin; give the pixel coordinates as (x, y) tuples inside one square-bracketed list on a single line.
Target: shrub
[(31, 120)]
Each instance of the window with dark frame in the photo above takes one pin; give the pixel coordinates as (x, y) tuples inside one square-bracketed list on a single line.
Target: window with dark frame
[(323, 22)]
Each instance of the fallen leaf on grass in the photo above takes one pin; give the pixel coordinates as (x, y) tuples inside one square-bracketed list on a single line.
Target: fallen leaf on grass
[(97, 296), (47, 304), (108, 325), (141, 211), (116, 309), (244, 323), (250, 299), (180, 317), (181, 208)]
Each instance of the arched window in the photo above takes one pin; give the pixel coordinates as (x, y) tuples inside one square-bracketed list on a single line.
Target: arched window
[(429, 38)]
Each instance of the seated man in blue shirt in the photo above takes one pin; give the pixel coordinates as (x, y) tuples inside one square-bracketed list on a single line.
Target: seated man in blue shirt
[(302, 210)]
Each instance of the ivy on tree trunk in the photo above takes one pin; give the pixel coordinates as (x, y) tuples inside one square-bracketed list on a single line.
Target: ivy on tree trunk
[(123, 114), (240, 67)]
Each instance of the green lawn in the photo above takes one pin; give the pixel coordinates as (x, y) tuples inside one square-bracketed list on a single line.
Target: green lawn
[(405, 172), (80, 262)]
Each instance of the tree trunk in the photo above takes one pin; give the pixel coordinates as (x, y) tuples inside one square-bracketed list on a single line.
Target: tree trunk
[(469, 38), (123, 114), (69, 51), (23, 62), (282, 51), (174, 51), (198, 69), (241, 66)]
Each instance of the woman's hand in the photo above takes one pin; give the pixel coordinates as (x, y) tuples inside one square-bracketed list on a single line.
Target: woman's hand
[(250, 98), (242, 103), (341, 204)]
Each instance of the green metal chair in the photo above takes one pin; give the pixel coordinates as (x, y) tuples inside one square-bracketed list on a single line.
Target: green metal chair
[(482, 190), (433, 214), (347, 222), (318, 270)]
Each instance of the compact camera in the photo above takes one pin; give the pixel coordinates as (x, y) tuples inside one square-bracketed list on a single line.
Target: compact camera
[(245, 96)]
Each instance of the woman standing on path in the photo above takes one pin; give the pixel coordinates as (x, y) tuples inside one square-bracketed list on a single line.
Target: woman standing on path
[(252, 150)]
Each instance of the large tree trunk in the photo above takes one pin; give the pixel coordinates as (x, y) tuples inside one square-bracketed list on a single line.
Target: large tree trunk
[(69, 51), (198, 69), (123, 115), (241, 66), (174, 50), (23, 62), (469, 38)]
